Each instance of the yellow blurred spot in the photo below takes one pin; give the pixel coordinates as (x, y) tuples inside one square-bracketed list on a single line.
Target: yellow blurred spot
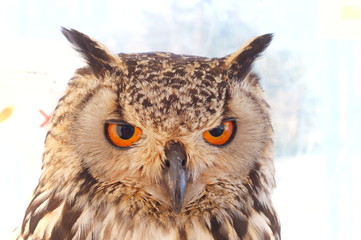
[(351, 13), (6, 113)]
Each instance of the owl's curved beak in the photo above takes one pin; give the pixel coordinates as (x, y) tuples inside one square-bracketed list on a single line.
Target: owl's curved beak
[(175, 173)]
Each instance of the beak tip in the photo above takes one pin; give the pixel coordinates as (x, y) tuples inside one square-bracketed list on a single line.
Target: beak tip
[(177, 210), (177, 206)]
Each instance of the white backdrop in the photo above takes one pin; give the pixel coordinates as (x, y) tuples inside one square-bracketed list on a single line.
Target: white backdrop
[(311, 73)]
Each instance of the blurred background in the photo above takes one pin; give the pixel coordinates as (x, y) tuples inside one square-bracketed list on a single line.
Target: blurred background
[(311, 73)]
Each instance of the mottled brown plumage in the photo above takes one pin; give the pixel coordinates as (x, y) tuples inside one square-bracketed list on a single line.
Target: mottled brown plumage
[(171, 183)]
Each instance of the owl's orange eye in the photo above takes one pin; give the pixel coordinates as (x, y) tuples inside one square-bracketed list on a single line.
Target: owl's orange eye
[(122, 134), (222, 134)]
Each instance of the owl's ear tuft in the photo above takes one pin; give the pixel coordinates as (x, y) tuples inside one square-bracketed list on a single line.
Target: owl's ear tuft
[(97, 56), (239, 64)]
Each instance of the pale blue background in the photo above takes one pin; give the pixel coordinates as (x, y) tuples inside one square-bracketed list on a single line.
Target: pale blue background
[(311, 73)]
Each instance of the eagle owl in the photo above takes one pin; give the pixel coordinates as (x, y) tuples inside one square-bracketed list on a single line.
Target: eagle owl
[(157, 146)]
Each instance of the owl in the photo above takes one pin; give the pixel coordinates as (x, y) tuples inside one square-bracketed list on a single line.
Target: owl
[(157, 146)]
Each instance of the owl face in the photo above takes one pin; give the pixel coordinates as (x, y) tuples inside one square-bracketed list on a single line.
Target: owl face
[(168, 124)]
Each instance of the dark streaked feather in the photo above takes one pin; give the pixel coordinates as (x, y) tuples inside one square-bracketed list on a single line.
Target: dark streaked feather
[(88, 181), (273, 221), (216, 230), (182, 234), (243, 62), (35, 217), (98, 58), (63, 230), (240, 226)]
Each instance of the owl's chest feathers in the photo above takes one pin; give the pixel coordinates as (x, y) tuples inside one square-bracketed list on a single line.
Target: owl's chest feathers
[(137, 218), (86, 208), (102, 213)]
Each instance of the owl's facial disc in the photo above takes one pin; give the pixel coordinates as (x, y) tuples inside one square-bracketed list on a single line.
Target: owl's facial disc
[(175, 173)]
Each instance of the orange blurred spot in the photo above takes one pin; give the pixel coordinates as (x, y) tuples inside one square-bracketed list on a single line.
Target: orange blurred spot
[(6, 113)]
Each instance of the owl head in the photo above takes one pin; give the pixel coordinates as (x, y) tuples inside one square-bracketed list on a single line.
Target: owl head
[(165, 131), (157, 146)]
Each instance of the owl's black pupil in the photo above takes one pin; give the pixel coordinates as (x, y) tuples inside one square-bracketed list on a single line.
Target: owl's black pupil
[(216, 132), (125, 131)]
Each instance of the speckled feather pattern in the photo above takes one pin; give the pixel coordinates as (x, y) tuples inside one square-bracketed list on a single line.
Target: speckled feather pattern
[(91, 190), (163, 87)]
